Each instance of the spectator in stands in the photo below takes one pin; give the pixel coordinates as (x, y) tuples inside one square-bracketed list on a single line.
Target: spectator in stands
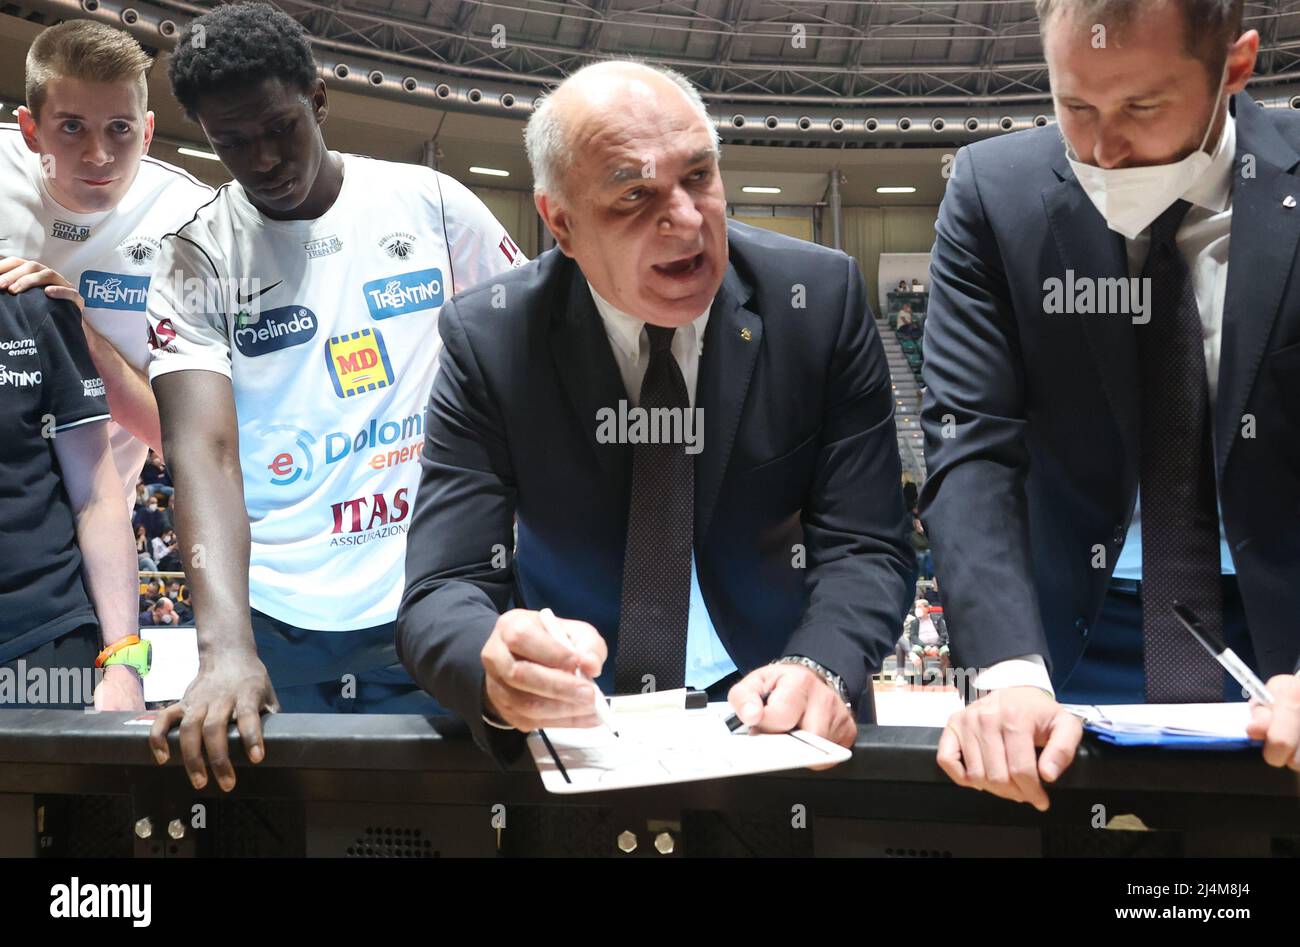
[(921, 545), (159, 547), (927, 634), (142, 550), (902, 286), (150, 518), (907, 664), (909, 326), (910, 493), (164, 550), (163, 612), (179, 595), (155, 475), (167, 507), (141, 496)]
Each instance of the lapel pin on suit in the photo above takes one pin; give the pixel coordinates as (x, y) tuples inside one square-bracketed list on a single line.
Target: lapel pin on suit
[(1288, 201), (746, 334)]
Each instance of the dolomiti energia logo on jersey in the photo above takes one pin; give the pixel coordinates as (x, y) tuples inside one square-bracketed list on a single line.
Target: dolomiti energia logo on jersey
[(17, 347)]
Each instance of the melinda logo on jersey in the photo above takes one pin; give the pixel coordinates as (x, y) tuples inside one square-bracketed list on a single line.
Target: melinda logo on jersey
[(298, 462), (398, 295), (276, 329), (114, 290)]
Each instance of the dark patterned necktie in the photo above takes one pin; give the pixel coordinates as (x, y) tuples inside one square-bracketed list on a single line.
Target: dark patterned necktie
[(656, 599), (1180, 519)]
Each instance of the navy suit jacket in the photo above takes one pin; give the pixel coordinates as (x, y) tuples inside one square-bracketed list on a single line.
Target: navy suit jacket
[(800, 539), (1031, 419)]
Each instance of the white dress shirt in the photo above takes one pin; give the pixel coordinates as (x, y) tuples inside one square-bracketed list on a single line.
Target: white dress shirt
[(631, 346), (1202, 239), (707, 660)]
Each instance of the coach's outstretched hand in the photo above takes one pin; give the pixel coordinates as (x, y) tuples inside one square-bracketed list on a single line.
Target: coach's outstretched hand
[(236, 687)]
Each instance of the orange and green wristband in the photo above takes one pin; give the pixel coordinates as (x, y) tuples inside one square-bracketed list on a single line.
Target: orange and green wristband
[(132, 651)]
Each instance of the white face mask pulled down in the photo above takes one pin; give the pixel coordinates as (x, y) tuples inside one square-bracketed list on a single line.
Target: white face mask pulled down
[(1130, 199)]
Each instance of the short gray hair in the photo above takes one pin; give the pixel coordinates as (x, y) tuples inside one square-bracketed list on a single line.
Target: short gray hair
[(546, 138)]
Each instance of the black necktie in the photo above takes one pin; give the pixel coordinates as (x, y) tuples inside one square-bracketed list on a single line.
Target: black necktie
[(1180, 519), (656, 598)]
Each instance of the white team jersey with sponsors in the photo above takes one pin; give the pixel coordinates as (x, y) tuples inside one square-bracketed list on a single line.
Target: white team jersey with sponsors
[(328, 330), (109, 256)]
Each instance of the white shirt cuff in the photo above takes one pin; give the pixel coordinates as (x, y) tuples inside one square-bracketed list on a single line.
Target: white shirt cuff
[(495, 723), (1028, 670)]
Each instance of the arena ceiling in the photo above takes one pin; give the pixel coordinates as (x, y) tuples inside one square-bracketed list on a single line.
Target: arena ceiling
[(914, 51), (840, 75)]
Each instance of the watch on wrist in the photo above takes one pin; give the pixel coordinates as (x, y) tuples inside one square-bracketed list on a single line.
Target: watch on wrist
[(132, 651), (833, 680)]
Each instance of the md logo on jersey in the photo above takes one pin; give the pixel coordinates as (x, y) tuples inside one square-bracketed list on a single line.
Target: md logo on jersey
[(275, 329), (358, 362), (398, 295), (296, 463), (114, 290)]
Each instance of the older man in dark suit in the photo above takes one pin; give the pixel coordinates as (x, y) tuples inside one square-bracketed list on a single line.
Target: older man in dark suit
[(689, 420)]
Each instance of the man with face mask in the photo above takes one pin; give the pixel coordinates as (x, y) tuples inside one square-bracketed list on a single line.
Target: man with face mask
[(150, 517), (1113, 372)]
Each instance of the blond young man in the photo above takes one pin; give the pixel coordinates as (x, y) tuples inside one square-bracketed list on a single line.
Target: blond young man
[(85, 209), (82, 210)]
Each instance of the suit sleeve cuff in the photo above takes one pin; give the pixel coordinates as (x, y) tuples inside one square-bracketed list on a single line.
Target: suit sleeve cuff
[(1028, 670)]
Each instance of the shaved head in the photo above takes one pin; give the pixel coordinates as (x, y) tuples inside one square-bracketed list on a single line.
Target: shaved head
[(596, 92), (625, 170)]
